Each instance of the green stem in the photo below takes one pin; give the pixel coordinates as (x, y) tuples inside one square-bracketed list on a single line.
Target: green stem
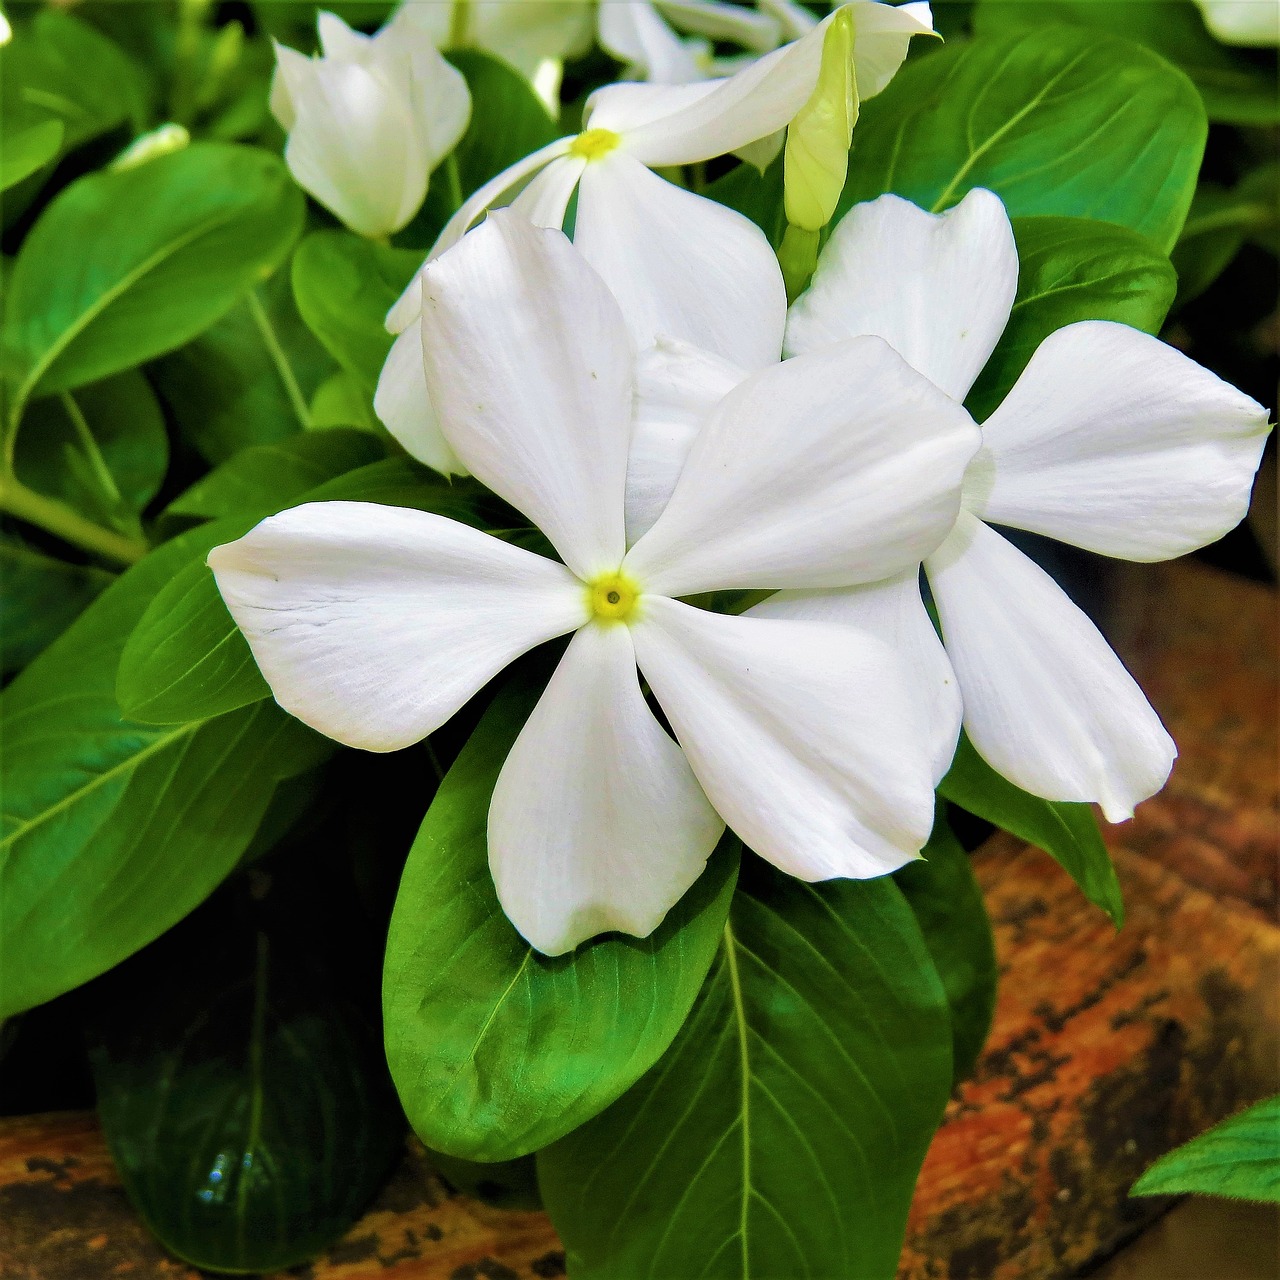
[(280, 360), (60, 520), (454, 178), (101, 472)]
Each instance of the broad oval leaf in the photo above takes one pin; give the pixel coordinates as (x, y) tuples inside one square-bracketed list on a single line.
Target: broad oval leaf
[(1066, 831), (29, 150), (1073, 269), (495, 1049), (1239, 1158), (1054, 120), (782, 1133), (160, 251)]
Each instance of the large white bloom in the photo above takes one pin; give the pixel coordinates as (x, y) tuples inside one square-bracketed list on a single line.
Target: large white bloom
[(1110, 440), (368, 120), (663, 251), (375, 624)]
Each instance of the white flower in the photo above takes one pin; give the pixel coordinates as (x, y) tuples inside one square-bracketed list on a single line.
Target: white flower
[(1110, 440), (681, 266), (368, 121), (1243, 22), (374, 624)]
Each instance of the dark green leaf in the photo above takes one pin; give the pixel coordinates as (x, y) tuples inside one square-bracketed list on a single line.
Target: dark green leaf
[(756, 195), (41, 598), (344, 286), (952, 917), (28, 150), (505, 1184), (246, 380), (1073, 269), (1069, 832), (497, 1050), (1056, 121), (1239, 1158), (782, 1133), (113, 830), (1235, 91), (160, 250)]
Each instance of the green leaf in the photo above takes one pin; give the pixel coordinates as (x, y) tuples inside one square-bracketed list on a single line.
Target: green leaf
[(952, 916), (112, 831), (344, 286), (1235, 91), (28, 150), (755, 195), (505, 1184), (240, 1078), (508, 122), (1068, 832), (101, 449), (1240, 1158), (160, 251), (495, 1049), (1073, 269), (41, 598), (247, 380), (1056, 121), (782, 1133)]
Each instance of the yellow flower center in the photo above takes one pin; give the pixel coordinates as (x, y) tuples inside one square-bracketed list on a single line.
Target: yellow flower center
[(594, 143), (612, 597)]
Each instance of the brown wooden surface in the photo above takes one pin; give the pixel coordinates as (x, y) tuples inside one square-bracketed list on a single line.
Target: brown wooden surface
[(1108, 1048)]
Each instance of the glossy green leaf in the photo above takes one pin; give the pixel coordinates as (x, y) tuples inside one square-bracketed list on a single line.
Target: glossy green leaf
[(948, 906), (758, 196), (28, 150), (1056, 120), (1068, 832), (114, 830), (782, 1133), (160, 250), (1073, 269), (1240, 1158), (344, 286), (248, 379), (240, 1078), (102, 449), (41, 597), (496, 1049), (1235, 90)]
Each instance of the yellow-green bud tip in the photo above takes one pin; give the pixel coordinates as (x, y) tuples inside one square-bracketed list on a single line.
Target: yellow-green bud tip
[(594, 144), (612, 597)]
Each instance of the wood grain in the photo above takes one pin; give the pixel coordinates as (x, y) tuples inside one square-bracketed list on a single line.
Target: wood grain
[(1108, 1048)]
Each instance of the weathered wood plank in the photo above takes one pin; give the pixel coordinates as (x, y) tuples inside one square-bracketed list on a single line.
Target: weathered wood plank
[(1107, 1048)]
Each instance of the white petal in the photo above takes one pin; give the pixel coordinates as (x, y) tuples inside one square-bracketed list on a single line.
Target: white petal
[(339, 42), (293, 69), (677, 386), (881, 35), (1046, 701), (832, 469), (803, 735), (634, 33), (440, 97), (408, 306), (375, 624), (893, 611), (793, 19), (1113, 441), (530, 32), (597, 821), (752, 29), (936, 287), (1243, 22), (530, 369), (403, 405), (545, 200), (494, 191), (434, 20), (681, 266), (353, 146)]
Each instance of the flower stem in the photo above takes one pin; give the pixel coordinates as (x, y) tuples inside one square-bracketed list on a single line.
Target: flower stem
[(60, 520)]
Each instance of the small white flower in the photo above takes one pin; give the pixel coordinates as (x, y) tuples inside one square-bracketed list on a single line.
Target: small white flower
[(681, 266), (376, 624), (1243, 22), (1110, 440), (368, 120)]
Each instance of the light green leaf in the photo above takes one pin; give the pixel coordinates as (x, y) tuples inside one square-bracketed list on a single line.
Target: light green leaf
[(952, 916), (344, 286), (496, 1049), (1235, 91), (782, 1133), (112, 831), (1073, 269), (1240, 1158), (160, 251), (28, 150), (1068, 832), (1055, 120), (342, 400)]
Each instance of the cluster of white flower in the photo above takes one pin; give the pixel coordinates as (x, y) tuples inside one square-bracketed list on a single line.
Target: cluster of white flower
[(646, 398)]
